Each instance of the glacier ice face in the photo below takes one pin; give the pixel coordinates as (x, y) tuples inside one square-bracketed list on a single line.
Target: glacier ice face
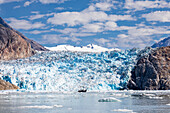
[(72, 71)]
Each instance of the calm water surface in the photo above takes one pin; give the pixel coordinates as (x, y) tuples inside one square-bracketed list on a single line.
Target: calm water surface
[(52, 102)]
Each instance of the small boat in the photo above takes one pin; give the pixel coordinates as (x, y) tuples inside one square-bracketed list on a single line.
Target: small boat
[(82, 90)]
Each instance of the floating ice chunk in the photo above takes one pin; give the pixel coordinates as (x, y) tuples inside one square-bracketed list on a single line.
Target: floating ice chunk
[(110, 99), (58, 106), (70, 108), (168, 104), (148, 95), (123, 110), (119, 95), (37, 107), (155, 97)]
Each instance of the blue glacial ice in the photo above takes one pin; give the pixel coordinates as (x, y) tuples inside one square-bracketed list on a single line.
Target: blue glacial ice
[(71, 71)]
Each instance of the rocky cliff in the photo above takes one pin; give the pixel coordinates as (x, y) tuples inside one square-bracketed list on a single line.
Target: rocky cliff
[(7, 86), (152, 72), (34, 45), (12, 45)]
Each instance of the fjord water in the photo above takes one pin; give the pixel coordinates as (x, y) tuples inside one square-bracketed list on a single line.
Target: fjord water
[(112, 102)]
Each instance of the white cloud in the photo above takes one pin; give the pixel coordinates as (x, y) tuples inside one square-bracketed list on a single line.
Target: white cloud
[(81, 34), (77, 18), (73, 32), (67, 30), (59, 8), (27, 3), (142, 5), (84, 17), (127, 41), (24, 24), (148, 30), (101, 41), (110, 25), (57, 39), (104, 6), (18, 6), (99, 27), (112, 44), (7, 1), (88, 15), (38, 16), (140, 36), (162, 16), (95, 27), (120, 17), (52, 1), (39, 32), (53, 39), (122, 36), (74, 39), (35, 12)]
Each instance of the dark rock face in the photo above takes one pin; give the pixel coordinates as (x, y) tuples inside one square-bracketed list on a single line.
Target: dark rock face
[(34, 45), (152, 72), (7, 86), (163, 43), (12, 45)]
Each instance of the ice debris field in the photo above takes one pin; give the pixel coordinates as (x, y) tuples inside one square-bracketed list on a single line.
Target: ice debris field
[(72, 71)]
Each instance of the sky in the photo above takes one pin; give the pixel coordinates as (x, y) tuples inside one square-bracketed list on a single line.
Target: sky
[(120, 24)]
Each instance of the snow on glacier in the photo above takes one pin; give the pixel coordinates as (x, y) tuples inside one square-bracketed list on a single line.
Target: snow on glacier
[(72, 71), (88, 48)]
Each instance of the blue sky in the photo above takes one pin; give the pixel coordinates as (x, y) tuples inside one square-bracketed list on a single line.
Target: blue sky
[(109, 23)]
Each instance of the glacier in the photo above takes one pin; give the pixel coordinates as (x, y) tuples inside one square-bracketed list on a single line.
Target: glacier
[(72, 71)]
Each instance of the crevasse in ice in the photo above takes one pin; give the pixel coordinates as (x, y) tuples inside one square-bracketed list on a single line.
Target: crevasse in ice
[(72, 71)]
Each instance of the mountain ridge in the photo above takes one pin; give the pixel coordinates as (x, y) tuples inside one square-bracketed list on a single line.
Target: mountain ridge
[(34, 44), (162, 43), (13, 46)]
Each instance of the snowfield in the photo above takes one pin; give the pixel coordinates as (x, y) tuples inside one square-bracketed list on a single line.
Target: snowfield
[(88, 48)]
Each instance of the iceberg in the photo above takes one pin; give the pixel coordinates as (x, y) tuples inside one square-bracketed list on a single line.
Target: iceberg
[(110, 99)]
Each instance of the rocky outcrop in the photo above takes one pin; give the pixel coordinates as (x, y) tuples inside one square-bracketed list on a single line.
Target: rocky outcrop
[(152, 72), (34, 45), (7, 86), (12, 45), (163, 43)]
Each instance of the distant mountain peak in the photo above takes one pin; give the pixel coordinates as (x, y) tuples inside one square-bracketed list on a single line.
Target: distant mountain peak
[(163, 43)]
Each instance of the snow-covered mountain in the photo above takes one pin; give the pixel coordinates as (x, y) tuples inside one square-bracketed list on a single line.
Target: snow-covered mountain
[(88, 48), (163, 43)]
